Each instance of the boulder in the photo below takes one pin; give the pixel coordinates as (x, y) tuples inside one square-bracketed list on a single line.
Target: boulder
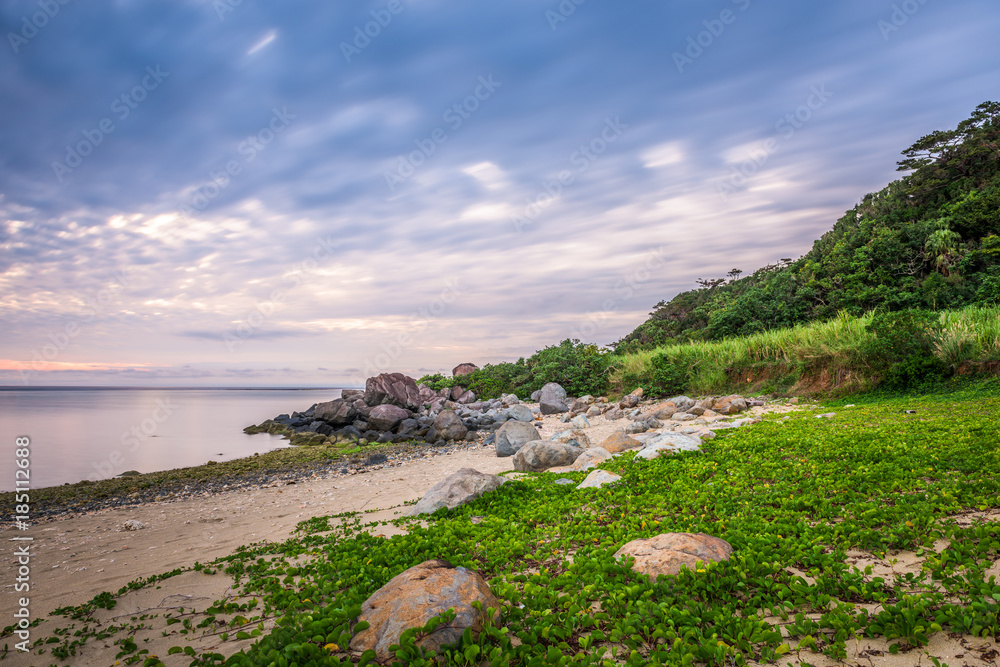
[(597, 479), (336, 412), (580, 421), (552, 399), (509, 399), (590, 458), (352, 395), (594, 411), (572, 437), (541, 455), (681, 403), (414, 597), (463, 369), (665, 413), (457, 489), (666, 553), (467, 397), (520, 413), (676, 441), (448, 426), (386, 417), (631, 400), (393, 388), (619, 442), (730, 405), (684, 416), (513, 435), (535, 395), (555, 390), (614, 413), (426, 395), (636, 427)]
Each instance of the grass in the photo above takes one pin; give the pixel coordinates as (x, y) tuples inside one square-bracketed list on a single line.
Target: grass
[(812, 358), (792, 495)]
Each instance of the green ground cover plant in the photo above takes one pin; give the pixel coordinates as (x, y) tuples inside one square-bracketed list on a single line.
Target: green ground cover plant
[(792, 495)]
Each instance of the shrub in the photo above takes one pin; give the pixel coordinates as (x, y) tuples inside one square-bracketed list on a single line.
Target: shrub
[(901, 349)]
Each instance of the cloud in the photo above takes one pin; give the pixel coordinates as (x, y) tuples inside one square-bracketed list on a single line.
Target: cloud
[(247, 189)]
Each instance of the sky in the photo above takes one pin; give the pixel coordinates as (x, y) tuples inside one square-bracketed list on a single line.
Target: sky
[(305, 193)]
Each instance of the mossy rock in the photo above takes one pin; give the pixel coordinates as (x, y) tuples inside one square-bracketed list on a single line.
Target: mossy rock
[(308, 439)]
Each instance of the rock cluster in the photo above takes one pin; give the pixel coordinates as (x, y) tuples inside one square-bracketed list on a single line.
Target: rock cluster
[(394, 408)]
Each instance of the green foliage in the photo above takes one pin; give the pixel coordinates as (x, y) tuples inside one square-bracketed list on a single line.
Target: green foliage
[(793, 495), (928, 240), (901, 348), (580, 368)]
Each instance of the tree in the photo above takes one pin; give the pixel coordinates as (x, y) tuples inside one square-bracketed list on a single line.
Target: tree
[(942, 246)]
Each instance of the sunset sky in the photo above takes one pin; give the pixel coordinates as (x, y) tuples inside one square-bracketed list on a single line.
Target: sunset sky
[(226, 192)]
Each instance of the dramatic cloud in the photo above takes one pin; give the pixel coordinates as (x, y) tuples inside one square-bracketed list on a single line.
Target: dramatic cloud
[(218, 192)]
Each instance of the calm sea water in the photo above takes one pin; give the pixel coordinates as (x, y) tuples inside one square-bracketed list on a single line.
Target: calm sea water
[(80, 433)]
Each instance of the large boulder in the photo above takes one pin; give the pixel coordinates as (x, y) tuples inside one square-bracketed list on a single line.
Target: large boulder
[(463, 369), (468, 397), (619, 442), (552, 399), (336, 412), (448, 426), (680, 403), (668, 443), (352, 394), (521, 413), (730, 405), (386, 417), (426, 395), (457, 489), (394, 388), (574, 437), (666, 553), (417, 595), (513, 435), (581, 404), (544, 454), (553, 389), (590, 458)]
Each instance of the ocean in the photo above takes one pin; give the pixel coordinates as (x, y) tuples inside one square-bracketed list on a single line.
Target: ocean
[(80, 433)]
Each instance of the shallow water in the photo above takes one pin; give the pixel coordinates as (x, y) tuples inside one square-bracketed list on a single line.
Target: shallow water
[(90, 433)]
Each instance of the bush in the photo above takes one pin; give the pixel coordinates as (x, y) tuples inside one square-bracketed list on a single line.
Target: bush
[(579, 367), (901, 350)]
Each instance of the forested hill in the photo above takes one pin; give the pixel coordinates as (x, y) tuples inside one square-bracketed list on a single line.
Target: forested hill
[(928, 240)]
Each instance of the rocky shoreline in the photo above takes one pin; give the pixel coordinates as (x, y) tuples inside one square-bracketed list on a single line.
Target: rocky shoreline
[(393, 408), (395, 421), (161, 492)]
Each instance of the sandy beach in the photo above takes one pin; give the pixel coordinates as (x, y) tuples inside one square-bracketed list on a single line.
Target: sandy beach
[(76, 557)]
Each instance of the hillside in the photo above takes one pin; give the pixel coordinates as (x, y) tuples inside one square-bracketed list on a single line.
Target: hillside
[(926, 241)]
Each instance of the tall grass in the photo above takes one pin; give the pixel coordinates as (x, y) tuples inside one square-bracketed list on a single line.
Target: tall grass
[(827, 352)]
